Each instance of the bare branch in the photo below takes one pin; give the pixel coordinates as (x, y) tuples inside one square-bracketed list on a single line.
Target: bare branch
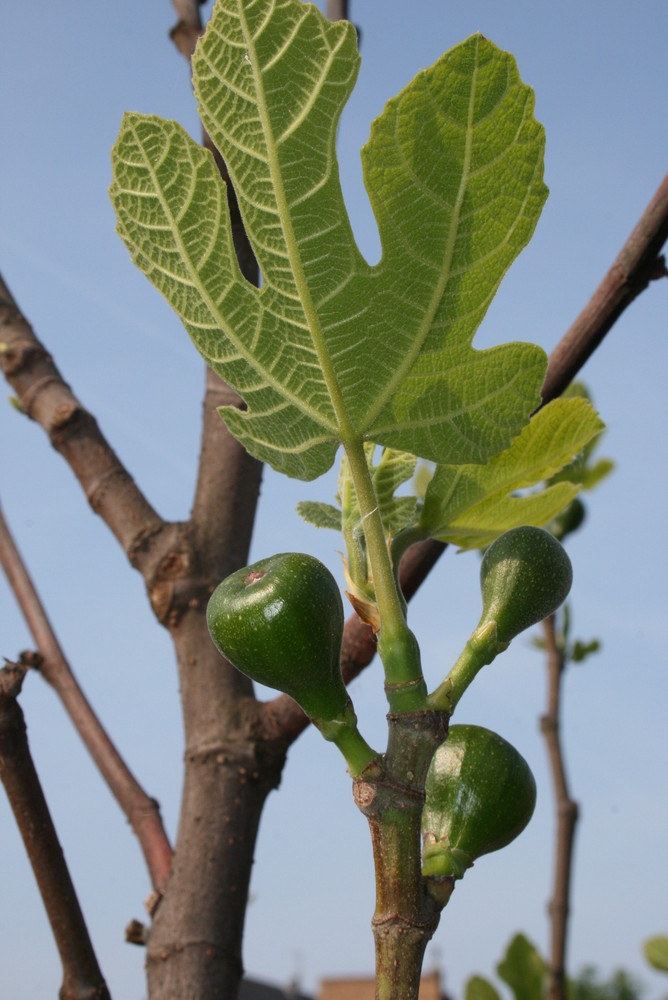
[(637, 263), (566, 811), (228, 480), (188, 28), (82, 978), (142, 812), (73, 431), (228, 486), (337, 10)]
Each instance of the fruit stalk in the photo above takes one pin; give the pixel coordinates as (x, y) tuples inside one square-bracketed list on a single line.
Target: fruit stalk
[(525, 575), (345, 735), (479, 650)]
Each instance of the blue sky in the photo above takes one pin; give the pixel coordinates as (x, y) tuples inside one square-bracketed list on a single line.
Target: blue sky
[(600, 75)]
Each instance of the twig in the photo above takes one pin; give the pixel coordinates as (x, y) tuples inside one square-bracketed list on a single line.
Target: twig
[(82, 978), (73, 431), (188, 28), (228, 478), (337, 10), (566, 816), (637, 263), (142, 812)]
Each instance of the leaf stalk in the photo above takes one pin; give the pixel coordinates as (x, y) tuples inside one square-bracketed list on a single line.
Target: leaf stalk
[(480, 649), (397, 646)]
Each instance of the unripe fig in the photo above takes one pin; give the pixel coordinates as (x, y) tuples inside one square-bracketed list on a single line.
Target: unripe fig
[(280, 622), (569, 520), (480, 794), (524, 576)]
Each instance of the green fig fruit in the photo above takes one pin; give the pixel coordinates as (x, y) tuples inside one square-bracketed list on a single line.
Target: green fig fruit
[(569, 520), (479, 795), (280, 622), (524, 576)]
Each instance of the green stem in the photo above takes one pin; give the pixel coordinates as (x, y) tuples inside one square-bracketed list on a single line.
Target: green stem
[(392, 616), (397, 646), (356, 751), (480, 650), (345, 735)]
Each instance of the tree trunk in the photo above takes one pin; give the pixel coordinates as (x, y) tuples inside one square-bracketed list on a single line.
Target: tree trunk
[(194, 947)]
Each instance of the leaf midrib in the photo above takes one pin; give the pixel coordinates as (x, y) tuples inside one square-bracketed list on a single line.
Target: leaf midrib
[(345, 427)]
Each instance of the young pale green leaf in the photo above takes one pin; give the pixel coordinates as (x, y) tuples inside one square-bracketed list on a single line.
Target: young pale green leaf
[(585, 474), (656, 952), (393, 470), (478, 988), (330, 349), (523, 969), (596, 473), (579, 651), (583, 470), (471, 505), (320, 515)]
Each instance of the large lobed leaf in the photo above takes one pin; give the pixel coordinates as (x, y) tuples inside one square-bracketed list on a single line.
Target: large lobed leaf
[(330, 349)]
